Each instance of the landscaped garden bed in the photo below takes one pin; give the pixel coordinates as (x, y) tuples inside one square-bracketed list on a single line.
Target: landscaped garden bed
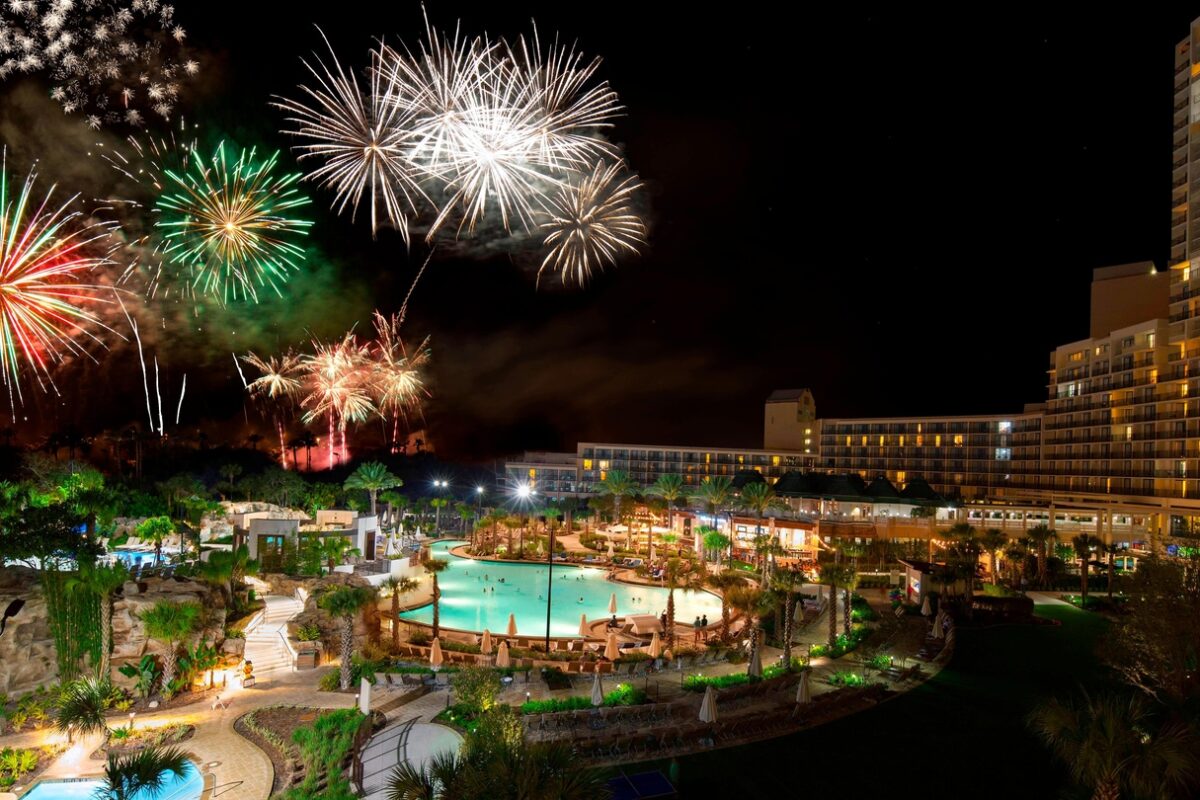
[(26, 764), (124, 741), (698, 683)]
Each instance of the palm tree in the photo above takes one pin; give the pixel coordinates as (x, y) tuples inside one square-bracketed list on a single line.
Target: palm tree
[(676, 580), (712, 539), (433, 566), (716, 494), (344, 603), (142, 773), (171, 624), (335, 549), (437, 504), (1083, 544), (230, 472), (834, 576), (308, 442), (788, 582), (398, 586), (1111, 551), (81, 707), (617, 485), (1016, 554), (759, 498), (993, 541), (374, 477), (1041, 536), (254, 439), (750, 602), (102, 581), (671, 489), (225, 569), (1110, 745), (155, 529), (725, 582)]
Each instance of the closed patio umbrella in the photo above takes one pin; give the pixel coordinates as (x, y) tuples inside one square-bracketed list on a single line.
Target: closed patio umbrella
[(804, 690), (937, 629), (597, 691), (485, 644), (512, 625), (502, 659), (652, 556), (612, 603), (754, 668), (611, 552), (584, 630), (655, 646), (925, 608), (435, 654), (708, 707), (611, 651)]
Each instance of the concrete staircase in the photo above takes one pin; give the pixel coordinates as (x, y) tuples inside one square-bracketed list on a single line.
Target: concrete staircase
[(264, 646)]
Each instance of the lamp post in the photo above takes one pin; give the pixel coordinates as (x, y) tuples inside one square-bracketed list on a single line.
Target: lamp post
[(549, 586), (438, 486)]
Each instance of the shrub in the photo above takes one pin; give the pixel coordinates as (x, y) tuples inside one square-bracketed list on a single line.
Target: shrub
[(235, 633), (477, 687), (996, 590), (843, 644), (846, 678), (419, 637), (324, 748), (698, 683), (624, 695), (879, 661), (308, 633)]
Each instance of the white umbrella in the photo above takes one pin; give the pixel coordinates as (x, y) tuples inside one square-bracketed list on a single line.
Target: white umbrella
[(584, 629), (937, 629), (804, 691), (612, 603), (611, 650), (435, 654), (485, 644), (502, 659), (655, 646), (597, 691), (754, 668), (708, 707), (611, 552), (925, 609), (652, 551), (512, 625)]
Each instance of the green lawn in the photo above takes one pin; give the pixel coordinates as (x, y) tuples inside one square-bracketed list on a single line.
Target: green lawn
[(959, 735)]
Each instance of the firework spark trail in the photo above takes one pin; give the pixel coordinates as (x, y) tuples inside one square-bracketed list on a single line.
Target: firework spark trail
[(113, 60), (182, 392), (133, 326), (241, 374), (467, 128), (158, 393), (44, 250), (227, 221)]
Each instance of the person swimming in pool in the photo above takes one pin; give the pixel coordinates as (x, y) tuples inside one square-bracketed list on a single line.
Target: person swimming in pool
[(580, 599)]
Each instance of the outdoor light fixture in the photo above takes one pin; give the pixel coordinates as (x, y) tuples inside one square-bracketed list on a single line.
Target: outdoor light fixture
[(479, 490), (523, 491)]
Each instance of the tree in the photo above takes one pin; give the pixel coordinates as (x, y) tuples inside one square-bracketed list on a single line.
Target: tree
[(344, 603), (374, 477), (834, 576), (788, 582), (81, 707), (1040, 537), (102, 581), (335, 549), (396, 506), (171, 624), (1113, 746), (437, 504), (618, 485), (230, 472), (751, 602), (671, 489), (712, 539), (397, 587), (308, 442), (226, 569), (1111, 551), (155, 529), (676, 579), (477, 687), (1155, 644), (142, 773), (433, 566), (725, 582), (758, 498), (993, 542), (1083, 545), (716, 494)]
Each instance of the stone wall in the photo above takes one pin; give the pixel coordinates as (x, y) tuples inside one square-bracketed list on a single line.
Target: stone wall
[(366, 626), (28, 658)]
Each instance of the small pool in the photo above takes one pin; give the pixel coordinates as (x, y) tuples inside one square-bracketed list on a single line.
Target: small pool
[(186, 788), (474, 598), (132, 558)]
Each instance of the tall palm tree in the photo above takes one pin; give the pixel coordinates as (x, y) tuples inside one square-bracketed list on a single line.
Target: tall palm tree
[(715, 493), (230, 472), (993, 541), (344, 603), (171, 624), (397, 587), (142, 773), (834, 576), (102, 581), (81, 707), (618, 485), (335, 549), (751, 602), (155, 529), (788, 582), (1110, 551), (1083, 545), (758, 498), (676, 579), (374, 477), (671, 489), (1112, 746), (433, 566), (308, 442), (725, 582), (1041, 536), (437, 504), (711, 539)]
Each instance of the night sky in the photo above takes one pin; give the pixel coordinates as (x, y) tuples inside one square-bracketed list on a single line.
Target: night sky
[(900, 212)]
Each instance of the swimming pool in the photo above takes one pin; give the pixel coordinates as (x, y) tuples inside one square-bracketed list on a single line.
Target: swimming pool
[(474, 598), (132, 558), (186, 788)]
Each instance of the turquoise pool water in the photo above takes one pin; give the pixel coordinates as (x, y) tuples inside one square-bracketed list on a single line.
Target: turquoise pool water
[(186, 788), (469, 602)]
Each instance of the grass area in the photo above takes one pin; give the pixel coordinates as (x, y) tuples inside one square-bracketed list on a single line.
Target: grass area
[(964, 719)]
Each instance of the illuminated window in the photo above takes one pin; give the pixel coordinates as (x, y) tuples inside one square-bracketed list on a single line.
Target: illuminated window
[(808, 431), (1005, 427), (881, 441), (741, 459), (1128, 432), (1149, 340), (847, 440), (1187, 273), (708, 458), (1003, 453), (937, 440), (603, 464), (864, 440), (775, 459), (902, 440), (532, 473), (1076, 356), (603, 475), (918, 427), (958, 440), (807, 442), (587, 463), (920, 441), (901, 475)]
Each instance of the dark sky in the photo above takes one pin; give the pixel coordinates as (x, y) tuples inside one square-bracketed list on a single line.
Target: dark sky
[(901, 212)]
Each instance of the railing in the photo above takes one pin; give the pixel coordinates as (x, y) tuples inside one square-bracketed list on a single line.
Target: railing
[(286, 647), (255, 621)]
